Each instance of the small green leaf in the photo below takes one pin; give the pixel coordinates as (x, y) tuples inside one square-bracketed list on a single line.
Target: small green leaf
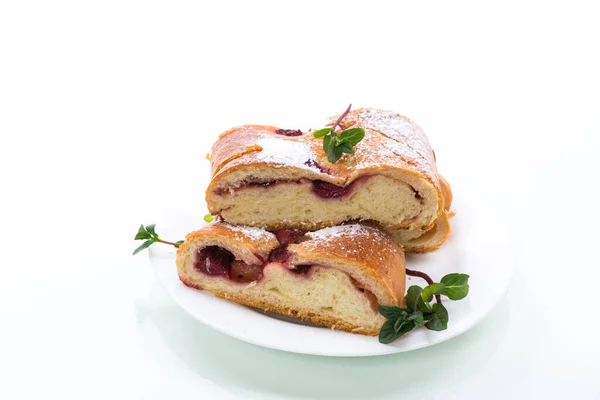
[(352, 136), (423, 305), (391, 312), (457, 286), (413, 293), (399, 324), (178, 243), (334, 153), (346, 147), (403, 325), (151, 228), (432, 290), (322, 132), (209, 218), (142, 234), (417, 318), (438, 320), (144, 245), (387, 334), (326, 141)]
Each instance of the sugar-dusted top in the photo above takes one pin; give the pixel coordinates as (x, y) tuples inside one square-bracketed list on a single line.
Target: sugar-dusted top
[(248, 232), (389, 136), (391, 141), (345, 237), (285, 152)]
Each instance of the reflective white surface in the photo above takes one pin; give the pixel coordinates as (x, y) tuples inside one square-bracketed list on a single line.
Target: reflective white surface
[(106, 109)]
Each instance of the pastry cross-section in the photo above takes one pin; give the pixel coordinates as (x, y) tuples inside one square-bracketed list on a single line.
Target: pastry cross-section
[(270, 180), (333, 277)]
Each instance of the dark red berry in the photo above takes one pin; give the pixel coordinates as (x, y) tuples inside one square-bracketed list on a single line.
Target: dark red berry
[(289, 132)]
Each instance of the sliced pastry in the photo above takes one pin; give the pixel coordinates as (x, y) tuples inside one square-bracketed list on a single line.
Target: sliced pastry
[(275, 178), (333, 277)]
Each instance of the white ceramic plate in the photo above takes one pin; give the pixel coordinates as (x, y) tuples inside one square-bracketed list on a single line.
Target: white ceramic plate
[(479, 246)]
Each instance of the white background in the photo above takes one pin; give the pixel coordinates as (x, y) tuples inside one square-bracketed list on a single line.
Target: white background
[(106, 112)]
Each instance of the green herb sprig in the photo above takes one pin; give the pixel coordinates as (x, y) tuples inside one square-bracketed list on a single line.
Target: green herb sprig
[(419, 311), (336, 144), (149, 235)]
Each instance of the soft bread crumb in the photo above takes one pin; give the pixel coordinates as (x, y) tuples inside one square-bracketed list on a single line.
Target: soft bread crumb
[(293, 204)]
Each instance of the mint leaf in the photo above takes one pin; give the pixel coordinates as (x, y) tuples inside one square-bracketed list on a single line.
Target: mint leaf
[(438, 320), (142, 234), (417, 318), (322, 132), (413, 293), (392, 312), (326, 141), (402, 326), (457, 286), (334, 153), (144, 245), (387, 334), (432, 290), (353, 136), (151, 228), (422, 305), (335, 145), (209, 218), (346, 147)]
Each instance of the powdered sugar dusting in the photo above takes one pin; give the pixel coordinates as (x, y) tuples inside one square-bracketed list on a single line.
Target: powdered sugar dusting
[(284, 152), (356, 240), (395, 137), (338, 231), (249, 232)]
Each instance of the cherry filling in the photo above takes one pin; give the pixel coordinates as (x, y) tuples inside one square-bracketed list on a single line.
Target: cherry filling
[(214, 261), (289, 132), (290, 236), (280, 255), (301, 269), (322, 189), (418, 195), (217, 261), (242, 272), (328, 190), (314, 164), (286, 237)]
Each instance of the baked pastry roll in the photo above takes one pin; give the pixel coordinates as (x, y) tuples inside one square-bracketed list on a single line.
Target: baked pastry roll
[(333, 277), (274, 178)]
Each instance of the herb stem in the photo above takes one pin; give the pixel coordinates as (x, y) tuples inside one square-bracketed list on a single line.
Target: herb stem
[(166, 242), (423, 275), (341, 118)]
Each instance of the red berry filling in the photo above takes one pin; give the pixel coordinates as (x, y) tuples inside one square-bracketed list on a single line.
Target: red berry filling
[(326, 190), (214, 261), (289, 132), (245, 273), (290, 236)]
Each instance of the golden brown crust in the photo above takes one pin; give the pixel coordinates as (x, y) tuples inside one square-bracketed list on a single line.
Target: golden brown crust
[(446, 193), (393, 145), (366, 248)]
